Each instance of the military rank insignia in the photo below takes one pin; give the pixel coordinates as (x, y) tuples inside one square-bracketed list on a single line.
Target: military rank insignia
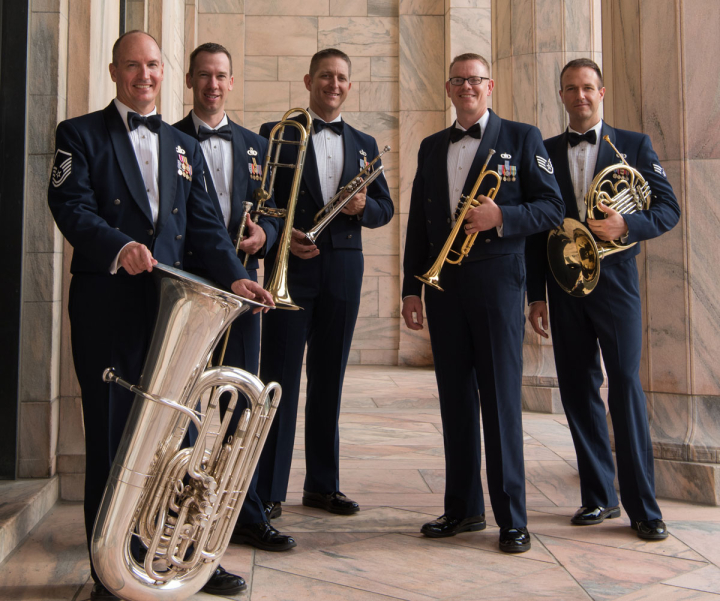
[(61, 168), (363, 160), (507, 171), (545, 164), (658, 169), (184, 167)]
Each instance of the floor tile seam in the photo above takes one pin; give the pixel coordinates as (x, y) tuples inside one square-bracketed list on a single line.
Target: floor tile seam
[(560, 564), (355, 588), (701, 564), (80, 589), (689, 588)]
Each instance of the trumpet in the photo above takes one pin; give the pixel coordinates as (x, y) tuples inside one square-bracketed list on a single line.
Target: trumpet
[(432, 276), (277, 284), (336, 204)]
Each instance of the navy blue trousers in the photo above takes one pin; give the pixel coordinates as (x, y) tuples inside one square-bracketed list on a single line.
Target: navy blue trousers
[(328, 288), (607, 320), (476, 332)]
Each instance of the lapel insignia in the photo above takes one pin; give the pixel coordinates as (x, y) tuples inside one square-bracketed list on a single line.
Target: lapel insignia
[(507, 171), (184, 167), (179, 150), (545, 164), (62, 168), (255, 169), (363, 160), (658, 169), (252, 152), (505, 155)]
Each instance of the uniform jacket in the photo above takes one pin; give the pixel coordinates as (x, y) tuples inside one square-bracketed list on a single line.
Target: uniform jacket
[(99, 202), (246, 147), (529, 204), (345, 231), (662, 215)]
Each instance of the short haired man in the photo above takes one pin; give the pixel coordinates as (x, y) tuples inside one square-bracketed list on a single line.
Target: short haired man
[(325, 280), (119, 198), (476, 323), (610, 318), (234, 156)]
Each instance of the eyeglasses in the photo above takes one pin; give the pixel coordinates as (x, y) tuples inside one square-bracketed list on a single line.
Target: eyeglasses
[(473, 81)]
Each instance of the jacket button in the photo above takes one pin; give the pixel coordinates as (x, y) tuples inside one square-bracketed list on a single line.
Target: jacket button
[(189, 253), (487, 240), (302, 210), (431, 244), (175, 211), (150, 232), (178, 237), (449, 220), (429, 221), (302, 191), (349, 236), (429, 199), (176, 264), (116, 201)]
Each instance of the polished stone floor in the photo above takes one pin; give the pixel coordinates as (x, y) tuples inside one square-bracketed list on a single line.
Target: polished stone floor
[(392, 464)]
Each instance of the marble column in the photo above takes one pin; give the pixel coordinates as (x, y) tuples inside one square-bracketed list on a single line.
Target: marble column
[(532, 41), (659, 60)]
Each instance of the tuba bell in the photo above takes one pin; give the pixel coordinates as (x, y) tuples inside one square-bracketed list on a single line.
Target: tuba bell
[(573, 253), (181, 504)]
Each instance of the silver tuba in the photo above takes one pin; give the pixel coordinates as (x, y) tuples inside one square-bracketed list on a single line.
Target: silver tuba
[(180, 503)]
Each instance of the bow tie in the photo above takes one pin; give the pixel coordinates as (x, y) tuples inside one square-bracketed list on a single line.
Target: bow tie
[(575, 139), (336, 126), (223, 132), (457, 134), (153, 122)]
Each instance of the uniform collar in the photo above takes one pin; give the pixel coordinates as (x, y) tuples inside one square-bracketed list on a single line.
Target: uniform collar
[(597, 127), (482, 122), (197, 122), (124, 109)]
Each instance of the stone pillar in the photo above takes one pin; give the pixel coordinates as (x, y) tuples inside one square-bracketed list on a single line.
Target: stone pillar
[(658, 54), (532, 41)]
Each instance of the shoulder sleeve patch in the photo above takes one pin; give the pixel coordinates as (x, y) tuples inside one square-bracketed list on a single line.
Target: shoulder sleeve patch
[(545, 164), (660, 170), (62, 167)]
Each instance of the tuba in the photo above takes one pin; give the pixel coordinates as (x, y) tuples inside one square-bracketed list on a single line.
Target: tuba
[(573, 253), (432, 276), (181, 504), (277, 284)]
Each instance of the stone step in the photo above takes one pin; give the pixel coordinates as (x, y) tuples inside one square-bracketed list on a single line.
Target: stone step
[(23, 504)]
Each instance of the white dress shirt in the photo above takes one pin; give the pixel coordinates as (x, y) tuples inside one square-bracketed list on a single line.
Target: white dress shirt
[(219, 156), (146, 145), (581, 160), (330, 157)]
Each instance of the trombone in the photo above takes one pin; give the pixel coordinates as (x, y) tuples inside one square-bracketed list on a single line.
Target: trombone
[(336, 204), (432, 276)]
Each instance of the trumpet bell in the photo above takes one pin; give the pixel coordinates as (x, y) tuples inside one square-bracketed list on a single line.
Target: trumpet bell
[(431, 279), (574, 258)]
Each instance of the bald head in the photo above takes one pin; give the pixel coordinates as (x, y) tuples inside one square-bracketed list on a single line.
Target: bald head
[(137, 70)]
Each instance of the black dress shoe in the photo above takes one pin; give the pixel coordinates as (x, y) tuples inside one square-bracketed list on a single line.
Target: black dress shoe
[(223, 582), (262, 535), (650, 529), (447, 526), (588, 516), (514, 540), (272, 509), (334, 502), (100, 593)]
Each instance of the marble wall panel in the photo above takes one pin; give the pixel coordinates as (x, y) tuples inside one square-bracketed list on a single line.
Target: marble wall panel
[(293, 68), (381, 265), (40, 233), (706, 435), (294, 36), (552, 117), (361, 68), (379, 96), (701, 49), (299, 96), (221, 6), (422, 68), (578, 25), (549, 25), (44, 113), (228, 30), (287, 7), (37, 438), (414, 349), (369, 306), (72, 487), (348, 8), (502, 29), (422, 7), (522, 28), (39, 356), (359, 36), (376, 333), (267, 96), (703, 223), (383, 8), (502, 96), (469, 32), (42, 277), (524, 86), (383, 240), (189, 39), (389, 297), (384, 68), (671, 423), (253, 119), (259, 68), (383, 126), (391, 163), (699, 483), (71, 435), (45, 32)]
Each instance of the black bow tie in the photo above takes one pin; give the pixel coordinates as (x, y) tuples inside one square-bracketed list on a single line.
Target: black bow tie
[(153, 122), (223, 132), (588, 136), (336, 126), (457, 134)]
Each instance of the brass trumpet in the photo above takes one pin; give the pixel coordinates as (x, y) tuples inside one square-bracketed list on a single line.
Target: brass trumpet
[(336, 204), (277, 284), (432, 276), (573, 253)]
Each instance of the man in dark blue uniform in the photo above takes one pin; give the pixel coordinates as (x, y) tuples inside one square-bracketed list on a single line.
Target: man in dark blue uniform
[(476, 323), (610, 318), (234, 157), (127, 191), (325, 280)]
